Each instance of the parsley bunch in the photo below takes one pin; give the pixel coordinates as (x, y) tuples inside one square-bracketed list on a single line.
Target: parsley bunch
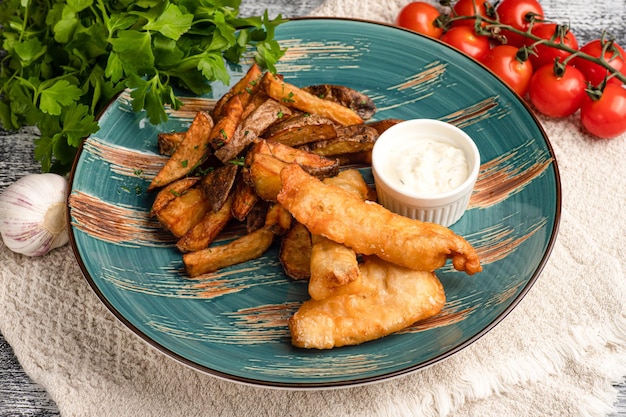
[(62, 62)]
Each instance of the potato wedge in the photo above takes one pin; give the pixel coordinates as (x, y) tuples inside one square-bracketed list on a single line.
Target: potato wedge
[(168, 142), (244, 88), (350, 139), (251, 128), (202, 234), (301, 129), (264, 175), (225, 126), (266, 159), (244, 199), (362, 104), (382, 125), (188, 154), (295, 252), (171, 191), (218, 184), (292, 96), (256, 218), (242, 249), (183, 212), (355, 158)]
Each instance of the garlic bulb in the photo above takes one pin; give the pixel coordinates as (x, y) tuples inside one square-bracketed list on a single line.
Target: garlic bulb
[(33, 214)]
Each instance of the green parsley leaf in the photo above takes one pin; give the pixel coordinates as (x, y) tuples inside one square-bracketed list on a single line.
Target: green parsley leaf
[(60, 93), (62, 61)]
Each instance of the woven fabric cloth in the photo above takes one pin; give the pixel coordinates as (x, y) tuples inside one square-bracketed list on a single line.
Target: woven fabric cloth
[(556, 354)]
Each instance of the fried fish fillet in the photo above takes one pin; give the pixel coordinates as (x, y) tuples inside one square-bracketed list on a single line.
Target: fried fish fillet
[(369, 228), (334, 266), (334, 269), (391, 298)]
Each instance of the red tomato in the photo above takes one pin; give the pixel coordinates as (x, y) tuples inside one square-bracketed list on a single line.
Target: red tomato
[(469, 8), (557, 95), (514, 13), (502, 60), (605, 117), (595, 73), (466, 40), (546, 54), (420, 17)]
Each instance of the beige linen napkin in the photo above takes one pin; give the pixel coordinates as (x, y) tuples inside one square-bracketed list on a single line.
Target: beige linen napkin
[(556, 354)]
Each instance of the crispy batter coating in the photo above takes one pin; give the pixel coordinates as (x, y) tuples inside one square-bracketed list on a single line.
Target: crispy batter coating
[(391, 299), (369, 228)]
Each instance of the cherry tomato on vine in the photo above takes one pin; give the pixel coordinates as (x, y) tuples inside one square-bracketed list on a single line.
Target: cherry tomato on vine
[(503, 61), (557, 92), (420, 17), (595, 73), (465, 39), (469, 8), (546, 54), (514, 13), (605, 117)]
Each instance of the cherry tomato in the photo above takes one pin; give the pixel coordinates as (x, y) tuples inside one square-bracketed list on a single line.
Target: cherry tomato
[(469, 8), (514, 13), (466, 40), (557, 95), (420, 17), (546, 54), (605, 117), (503, 61), (595, 73)]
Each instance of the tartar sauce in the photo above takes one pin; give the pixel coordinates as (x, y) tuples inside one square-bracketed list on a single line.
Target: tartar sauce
[(427, 166)]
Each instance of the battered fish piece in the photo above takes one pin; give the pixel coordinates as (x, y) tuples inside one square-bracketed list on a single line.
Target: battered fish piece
[(334, 269), (391, 298), (334, 266), (369, 228)]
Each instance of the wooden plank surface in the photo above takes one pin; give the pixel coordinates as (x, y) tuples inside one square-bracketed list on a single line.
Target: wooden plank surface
[(20, 396)]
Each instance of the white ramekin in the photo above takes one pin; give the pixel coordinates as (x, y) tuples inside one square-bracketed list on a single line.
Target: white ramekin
[(444, 208)]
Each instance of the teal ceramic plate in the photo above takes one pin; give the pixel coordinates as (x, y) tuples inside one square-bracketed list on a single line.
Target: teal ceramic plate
[(233, 324)]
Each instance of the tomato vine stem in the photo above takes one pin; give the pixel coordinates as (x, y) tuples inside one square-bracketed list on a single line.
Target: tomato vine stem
[(493, 28)]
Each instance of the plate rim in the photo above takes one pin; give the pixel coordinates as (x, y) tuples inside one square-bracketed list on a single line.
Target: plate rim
[(386, 376)]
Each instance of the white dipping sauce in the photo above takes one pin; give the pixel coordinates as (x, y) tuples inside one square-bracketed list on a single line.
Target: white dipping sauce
[(426, 166)]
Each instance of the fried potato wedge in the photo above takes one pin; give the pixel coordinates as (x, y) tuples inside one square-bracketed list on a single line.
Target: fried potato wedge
[(167, 142), (295, 252), (382, 125), (244, 199), (218, 184), (251, 128), (183, 212), (244, 88), (257, 217), (266, 159), (263, 174), (362, 104), (189, 152), (301, 129), (355, 158), (242, 249), (203, 233), (369, 228), (171, 191), (350, 139), (292, 96), (225, 126)]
